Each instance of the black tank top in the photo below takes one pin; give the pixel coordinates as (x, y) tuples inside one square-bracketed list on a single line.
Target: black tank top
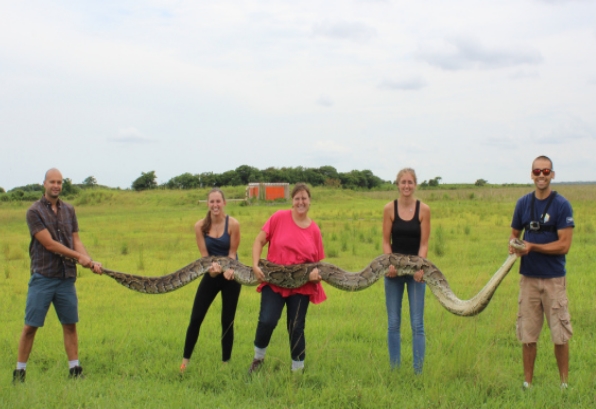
[(405, 235), (219, 246)]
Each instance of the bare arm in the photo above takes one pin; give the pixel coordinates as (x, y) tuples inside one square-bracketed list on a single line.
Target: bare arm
[(234, 232), (424, 229), (78, 253), (387, 224), (560, 246), (215, 268), (424, 236), (257, 249), (80, 248), (201, 239)]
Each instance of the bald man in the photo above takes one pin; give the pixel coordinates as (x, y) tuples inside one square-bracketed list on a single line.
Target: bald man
[(55, 249)]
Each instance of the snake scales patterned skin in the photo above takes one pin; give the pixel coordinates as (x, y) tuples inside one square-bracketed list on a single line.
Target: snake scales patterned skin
[(294, 276)]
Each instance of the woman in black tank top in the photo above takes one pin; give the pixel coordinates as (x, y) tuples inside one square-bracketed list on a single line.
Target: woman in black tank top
[(406, 229), (217, 235)]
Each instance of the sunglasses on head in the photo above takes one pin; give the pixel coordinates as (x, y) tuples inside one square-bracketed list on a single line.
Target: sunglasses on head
[(544, 171)]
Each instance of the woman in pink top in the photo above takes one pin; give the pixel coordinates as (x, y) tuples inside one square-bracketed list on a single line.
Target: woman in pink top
[(293, 239)]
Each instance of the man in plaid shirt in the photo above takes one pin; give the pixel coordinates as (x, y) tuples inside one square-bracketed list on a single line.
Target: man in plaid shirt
[(55, 250)]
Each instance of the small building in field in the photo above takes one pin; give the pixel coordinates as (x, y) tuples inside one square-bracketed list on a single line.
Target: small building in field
[(268, 191)]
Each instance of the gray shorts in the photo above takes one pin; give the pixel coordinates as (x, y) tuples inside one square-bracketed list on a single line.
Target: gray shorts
[(44, 291)]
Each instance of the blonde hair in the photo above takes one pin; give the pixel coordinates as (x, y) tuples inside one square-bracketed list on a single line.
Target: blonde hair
[(402, 172)]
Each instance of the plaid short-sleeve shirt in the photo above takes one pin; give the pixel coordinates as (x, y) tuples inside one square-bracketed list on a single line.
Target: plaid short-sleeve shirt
[(61, 226)]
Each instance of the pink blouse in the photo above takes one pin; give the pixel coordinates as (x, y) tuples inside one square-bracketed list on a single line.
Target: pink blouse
[(291, 244)]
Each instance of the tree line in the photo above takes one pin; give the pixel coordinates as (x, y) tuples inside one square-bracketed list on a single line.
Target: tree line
[(34, 191), (243, 175)]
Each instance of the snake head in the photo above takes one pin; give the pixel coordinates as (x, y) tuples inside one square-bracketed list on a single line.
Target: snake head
[(517, 244)]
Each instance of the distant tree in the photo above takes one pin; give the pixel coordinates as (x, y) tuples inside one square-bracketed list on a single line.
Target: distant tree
[(273, 175), (372, 181), (244, 174), (2, 190), (209, 179), (348, 180), (481, 182), (184, 181), (68, 188), (313, 177), (90, 181), (35, 187), (229, 178), (424, 184), (294, 175), (247, 174), (435, 181), (331, 182), (145, 182), (329, 172), (290, 175)]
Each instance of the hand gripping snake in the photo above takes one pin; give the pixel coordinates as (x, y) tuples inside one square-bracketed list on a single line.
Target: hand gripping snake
[(293, 276)]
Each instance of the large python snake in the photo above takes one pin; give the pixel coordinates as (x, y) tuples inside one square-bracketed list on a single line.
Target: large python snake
[(294, 276)]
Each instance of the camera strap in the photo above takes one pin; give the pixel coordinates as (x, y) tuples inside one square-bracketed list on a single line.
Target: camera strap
[(541, 220)]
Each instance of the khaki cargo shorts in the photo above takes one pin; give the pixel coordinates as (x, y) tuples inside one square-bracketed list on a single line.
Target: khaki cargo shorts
[(540, 297)]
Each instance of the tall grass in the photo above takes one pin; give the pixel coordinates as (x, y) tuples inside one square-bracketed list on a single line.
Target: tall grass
[(131, 343)]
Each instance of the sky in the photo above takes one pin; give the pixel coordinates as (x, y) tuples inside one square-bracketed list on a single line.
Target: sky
[(459, 89)]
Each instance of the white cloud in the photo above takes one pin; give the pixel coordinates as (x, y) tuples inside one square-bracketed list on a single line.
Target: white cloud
[(524, 73), (502, 142), (567, 131), (325, 101), (467, 53), (343, 30), (130, 135), (409, 84), (330, 146)]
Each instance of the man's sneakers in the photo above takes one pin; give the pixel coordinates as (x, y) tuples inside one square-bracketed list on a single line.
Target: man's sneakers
[(18, 376), (76, 373), (527, 386)]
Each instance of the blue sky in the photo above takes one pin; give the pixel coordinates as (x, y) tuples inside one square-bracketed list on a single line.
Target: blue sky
[(459, 89)]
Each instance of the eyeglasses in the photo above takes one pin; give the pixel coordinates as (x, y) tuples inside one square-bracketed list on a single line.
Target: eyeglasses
[(544, 171)]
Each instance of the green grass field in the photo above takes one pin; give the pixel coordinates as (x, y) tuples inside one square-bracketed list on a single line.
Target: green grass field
[(131, 344)]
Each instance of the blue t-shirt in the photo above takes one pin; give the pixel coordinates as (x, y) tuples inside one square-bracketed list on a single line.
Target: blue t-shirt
[(560, 215)]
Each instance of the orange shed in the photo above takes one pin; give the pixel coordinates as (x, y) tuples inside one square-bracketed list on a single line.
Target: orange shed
[(268, 191)]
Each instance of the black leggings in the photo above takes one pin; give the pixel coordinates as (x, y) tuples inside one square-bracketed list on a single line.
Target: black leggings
[(272, 305), (206, 293)]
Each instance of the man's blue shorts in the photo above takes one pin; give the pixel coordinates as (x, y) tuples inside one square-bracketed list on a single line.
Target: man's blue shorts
[(44, 291)]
